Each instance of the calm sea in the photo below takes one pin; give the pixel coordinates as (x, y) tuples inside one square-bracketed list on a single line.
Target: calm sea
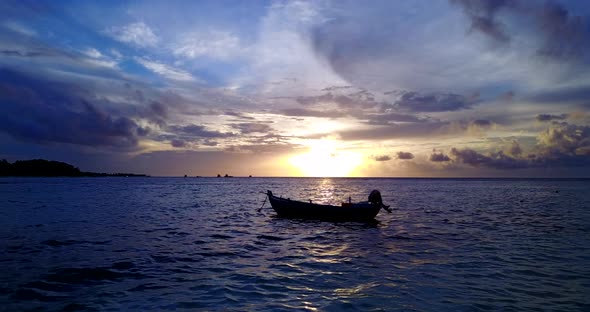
[(117, 244)]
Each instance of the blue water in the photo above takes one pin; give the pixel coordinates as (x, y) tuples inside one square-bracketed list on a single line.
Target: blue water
[(113, 244)]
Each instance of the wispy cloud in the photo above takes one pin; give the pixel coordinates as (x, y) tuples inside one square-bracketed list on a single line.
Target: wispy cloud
[(139, 34), (19, 28), (165, 70), (92, 52), (214, 44)]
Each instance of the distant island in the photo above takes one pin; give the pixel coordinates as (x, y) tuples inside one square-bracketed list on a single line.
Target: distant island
[(50, 168)]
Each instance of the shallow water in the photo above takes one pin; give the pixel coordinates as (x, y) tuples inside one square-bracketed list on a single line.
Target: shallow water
[(114, 244)]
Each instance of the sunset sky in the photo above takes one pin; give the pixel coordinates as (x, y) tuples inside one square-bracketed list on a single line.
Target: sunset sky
[(459, 88)]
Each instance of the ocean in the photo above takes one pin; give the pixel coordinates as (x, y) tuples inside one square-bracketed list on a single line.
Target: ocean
[(137, 244)]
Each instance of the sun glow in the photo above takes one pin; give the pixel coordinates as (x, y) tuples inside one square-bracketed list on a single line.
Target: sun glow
[(324, 159)]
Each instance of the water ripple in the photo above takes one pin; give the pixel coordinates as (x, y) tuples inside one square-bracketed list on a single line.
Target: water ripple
[(200, 244)]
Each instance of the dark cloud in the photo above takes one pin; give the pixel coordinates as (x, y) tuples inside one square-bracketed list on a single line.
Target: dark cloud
[(439, 157), (191, 135), (392, 131), (265, 148), (178, 143), (548, 117), (159, 109), (381, 158), (514, 150), (239, 115), (560, 34), (23, 53), (565, 35), (405, 155), (482, 123), (483, 16), (579, 95), (208, 142), (560, 145), (433, 102), (302, 112), (45, 111), (252, 127), (497, 160), (359, 99), (388, 118), (475, 127), (155, 112), (198, 131)]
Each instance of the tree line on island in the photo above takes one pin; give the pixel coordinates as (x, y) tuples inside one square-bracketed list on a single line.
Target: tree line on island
[(50, 168)]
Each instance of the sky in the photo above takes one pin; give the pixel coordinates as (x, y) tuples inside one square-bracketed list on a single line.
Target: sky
[(423, 88)]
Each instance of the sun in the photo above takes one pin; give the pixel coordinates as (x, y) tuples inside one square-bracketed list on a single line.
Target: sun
[(324, 159)]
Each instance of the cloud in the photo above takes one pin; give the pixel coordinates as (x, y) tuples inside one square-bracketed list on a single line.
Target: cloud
[(214, 44), (238, 115), (565, 35), (482, 123), (389, 118), (98, 59), (577, 94), (393, 131), (439, 157), (264, 148), (405, 155), (115, 53), (514, 150), (165, 70), (559, 33), (476, 127), (302, 112), (282, 50), (191, 135), (199, 131), (432, 102), (548, 117), (381, 158), (23, 53), (93, 53), (252, 127), (42, 111), (359, 99), (565, 139), (19, 28), (560, 145), (138, 33), (483, 16), (497, 160), (155, 111), (178, 143)]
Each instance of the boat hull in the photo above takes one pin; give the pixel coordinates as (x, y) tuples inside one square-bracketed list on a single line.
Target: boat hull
[(286, 208)]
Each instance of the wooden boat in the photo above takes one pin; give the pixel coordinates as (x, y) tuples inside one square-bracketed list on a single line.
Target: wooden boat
[(287, 208)]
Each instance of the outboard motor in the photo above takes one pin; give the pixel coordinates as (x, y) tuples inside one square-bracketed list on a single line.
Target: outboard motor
[(375, 199)]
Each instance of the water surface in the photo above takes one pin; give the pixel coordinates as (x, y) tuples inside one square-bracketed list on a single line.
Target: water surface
[(114, 244)]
